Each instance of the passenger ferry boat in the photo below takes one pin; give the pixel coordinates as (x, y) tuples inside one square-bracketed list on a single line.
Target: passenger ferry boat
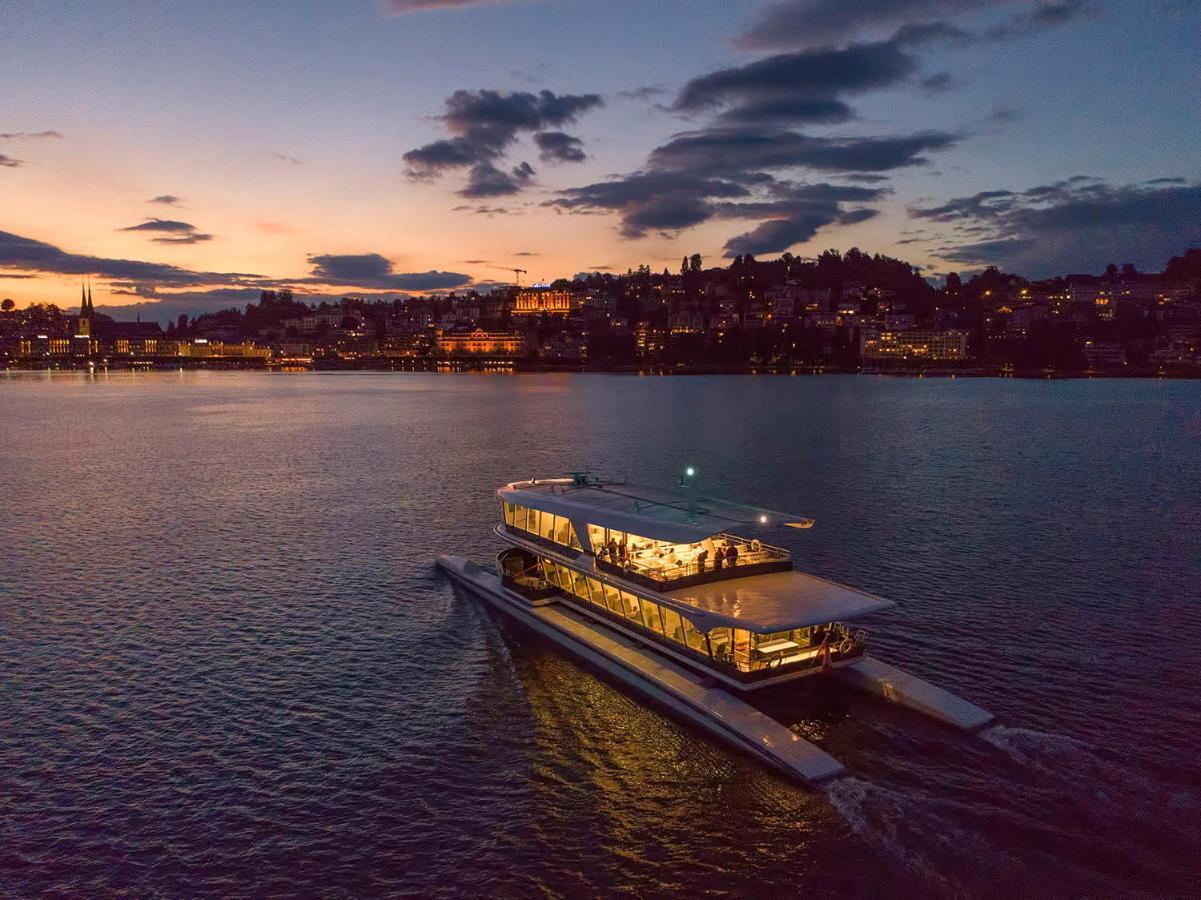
[(660, 589)]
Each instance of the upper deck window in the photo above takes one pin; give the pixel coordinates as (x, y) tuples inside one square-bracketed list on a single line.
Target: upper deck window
[(548, 527)]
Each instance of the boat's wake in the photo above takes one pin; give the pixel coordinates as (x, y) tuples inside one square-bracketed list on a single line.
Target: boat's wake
[(1054, 786), (1027, 746), (908, 828), (1099, 783)]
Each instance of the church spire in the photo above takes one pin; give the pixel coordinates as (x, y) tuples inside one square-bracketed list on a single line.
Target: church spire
[(84, 329)]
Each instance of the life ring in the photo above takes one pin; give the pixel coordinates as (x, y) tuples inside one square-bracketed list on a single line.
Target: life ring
[(846, 646)]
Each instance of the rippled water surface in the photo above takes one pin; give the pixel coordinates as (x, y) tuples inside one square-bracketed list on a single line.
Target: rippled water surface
[(228, 666)]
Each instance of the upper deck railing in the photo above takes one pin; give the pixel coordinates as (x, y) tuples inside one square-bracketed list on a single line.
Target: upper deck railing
[(753, 558)]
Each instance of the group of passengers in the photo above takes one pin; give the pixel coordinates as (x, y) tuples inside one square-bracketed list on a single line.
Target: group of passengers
[(725, 554)]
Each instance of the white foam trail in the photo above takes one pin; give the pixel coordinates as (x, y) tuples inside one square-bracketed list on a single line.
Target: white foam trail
[(896, 823), (1025, 745), (1106, 785)]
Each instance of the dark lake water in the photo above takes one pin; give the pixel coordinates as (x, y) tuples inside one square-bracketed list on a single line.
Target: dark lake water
[(228, 666)]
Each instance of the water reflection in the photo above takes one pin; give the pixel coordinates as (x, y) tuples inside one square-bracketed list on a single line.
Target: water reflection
[(235, 665)]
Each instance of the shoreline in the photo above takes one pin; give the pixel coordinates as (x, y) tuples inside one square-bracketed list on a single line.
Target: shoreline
[(519, 367)]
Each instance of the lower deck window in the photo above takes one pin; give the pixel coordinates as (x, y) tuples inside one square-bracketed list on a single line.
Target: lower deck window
[(736, 648)]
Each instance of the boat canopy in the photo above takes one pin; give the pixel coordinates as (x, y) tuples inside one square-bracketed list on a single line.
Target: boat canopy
[(778, 601), (678, 517)]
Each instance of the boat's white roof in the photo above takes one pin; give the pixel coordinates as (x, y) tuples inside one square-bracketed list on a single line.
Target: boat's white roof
[(777, 601), (663, 515)]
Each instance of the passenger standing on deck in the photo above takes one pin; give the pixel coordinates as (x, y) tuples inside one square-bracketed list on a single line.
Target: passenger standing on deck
[(701, 559), (613, 550), (732, 555), (718, 559)]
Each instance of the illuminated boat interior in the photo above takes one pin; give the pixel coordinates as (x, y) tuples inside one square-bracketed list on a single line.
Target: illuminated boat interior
[(671, 569)]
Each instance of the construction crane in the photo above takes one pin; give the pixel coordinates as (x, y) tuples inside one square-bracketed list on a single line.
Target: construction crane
[(517, 273)]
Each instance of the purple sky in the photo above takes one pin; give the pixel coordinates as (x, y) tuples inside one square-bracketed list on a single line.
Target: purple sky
[(187, 155)]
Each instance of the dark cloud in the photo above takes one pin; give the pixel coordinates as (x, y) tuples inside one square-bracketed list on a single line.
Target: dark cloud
[(807, 23), (735, 151), (796, 214), (822, 72), (165, 199), (29, 135), (498, 116), (668, 202), (483, 126), (486, 180), (655, 200), (777, 235), (488, 211), (26, 254), (171, 231), (526, 253), (642, 93), (9, 163), (368, 270), (559, 147), (196, 237), (790, 110), (1076, 225), (823, 23), (283, 157), (404, 7), (427, 161), (371, 270), (810, 87), (168, 225)]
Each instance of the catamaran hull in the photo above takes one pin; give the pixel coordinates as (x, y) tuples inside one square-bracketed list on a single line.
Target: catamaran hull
[(896, 686), (710, 708), (700, 701)]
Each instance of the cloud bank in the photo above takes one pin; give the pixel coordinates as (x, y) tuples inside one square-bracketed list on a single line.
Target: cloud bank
[(1077, 225)]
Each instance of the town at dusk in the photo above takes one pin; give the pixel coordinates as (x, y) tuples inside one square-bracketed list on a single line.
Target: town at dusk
[(587, 448)]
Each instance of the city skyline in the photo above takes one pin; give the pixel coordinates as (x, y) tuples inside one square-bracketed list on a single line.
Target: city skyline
[(188, 158)]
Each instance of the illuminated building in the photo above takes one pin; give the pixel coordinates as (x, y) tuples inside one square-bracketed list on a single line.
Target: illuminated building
[(943, 346), (478, 342), (537, 302)]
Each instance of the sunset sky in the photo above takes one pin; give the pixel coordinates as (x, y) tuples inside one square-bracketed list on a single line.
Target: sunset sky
[(187, 155)]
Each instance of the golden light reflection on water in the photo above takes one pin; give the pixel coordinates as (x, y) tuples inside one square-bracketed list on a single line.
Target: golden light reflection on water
[(650, 778)]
